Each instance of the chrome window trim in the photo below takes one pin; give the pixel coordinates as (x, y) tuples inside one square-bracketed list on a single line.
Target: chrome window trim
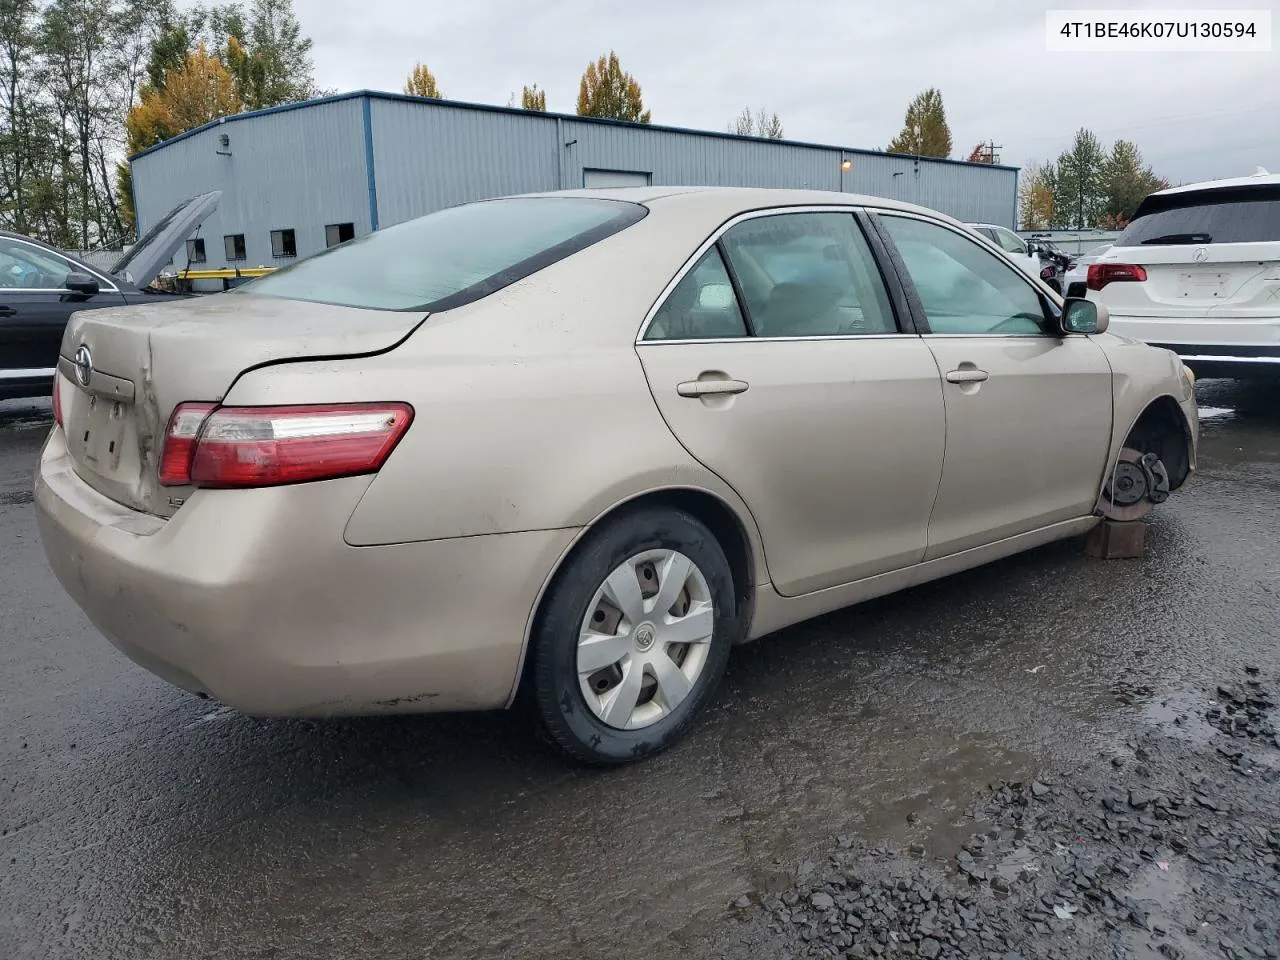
[(110, 286), (1001, 257), (711, 241)]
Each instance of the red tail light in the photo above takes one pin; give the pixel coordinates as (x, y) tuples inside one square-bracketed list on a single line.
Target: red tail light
[(1046, 273), (222, 447), (180, 442), (1100, 274), (57, 399)]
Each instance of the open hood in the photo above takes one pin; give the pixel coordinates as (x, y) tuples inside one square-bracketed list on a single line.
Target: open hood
[(148, 257)]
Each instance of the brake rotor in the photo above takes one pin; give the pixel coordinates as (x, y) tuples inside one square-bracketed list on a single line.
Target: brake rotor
[(1138, 481)]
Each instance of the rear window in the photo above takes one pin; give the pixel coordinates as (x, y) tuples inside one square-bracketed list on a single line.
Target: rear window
[(450, 257), (1230, 215)]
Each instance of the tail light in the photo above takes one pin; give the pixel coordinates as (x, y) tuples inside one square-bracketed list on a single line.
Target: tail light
[(1046, 273), (222, 447), (1100, 274), (57, 399)]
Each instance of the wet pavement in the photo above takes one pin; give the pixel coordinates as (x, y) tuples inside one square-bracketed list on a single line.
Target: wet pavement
[(137, 821)]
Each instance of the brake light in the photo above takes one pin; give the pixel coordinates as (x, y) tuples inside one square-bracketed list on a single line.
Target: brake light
[(1100, 274), (1046, 273), (57, 399), (223, 447), (180, 442)]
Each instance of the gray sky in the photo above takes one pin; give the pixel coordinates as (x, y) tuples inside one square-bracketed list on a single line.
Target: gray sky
[(836, 72)]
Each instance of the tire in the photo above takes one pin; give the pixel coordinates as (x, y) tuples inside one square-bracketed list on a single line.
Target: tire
[(567, 719)]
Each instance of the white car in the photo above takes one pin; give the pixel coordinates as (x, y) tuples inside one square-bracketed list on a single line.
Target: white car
[(1197, 271), (1075, 281), (1019, 250)]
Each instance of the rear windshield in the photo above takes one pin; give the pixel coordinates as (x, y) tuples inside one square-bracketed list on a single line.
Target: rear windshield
[(450, 257), (1229, 215)]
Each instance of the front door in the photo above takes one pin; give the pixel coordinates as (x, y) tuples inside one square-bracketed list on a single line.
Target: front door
[(778, 363), (1029, 412)]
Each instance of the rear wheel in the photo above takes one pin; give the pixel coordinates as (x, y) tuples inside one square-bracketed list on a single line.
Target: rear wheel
[(634, 637)]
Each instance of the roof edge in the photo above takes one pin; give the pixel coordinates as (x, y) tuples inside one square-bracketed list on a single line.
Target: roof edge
[(494, 108)]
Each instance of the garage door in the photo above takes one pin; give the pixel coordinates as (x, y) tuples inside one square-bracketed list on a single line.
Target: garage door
[(614, 178)]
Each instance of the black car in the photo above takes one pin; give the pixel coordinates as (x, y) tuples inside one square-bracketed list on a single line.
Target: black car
[(41, 287)]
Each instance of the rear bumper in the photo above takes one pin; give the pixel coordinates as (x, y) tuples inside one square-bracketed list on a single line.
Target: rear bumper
[(1210, 346), (253, 598)]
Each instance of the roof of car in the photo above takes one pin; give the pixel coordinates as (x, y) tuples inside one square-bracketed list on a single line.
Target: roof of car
[(1259, 179), (733, 199)]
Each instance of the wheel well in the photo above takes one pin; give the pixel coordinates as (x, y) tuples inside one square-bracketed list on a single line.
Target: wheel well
[(1163, 430), (718, 517)]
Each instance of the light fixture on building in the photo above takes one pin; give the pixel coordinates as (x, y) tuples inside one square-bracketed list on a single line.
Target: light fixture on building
[(846, 164)]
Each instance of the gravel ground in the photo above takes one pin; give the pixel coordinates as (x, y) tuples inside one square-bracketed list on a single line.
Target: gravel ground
[(1167, 846)]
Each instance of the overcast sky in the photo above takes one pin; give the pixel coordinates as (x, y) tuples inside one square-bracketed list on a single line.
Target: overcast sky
[(839, 72)]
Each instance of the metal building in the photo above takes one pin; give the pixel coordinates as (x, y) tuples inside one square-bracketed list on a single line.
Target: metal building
[(298, 178)]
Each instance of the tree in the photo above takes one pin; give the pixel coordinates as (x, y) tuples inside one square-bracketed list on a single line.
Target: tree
[(1078, 196), (982, 153), (199, 91), (925, 132), (606, 91), (760, 124), (1126, 182), (1035, 197), (531, 98), (422, 83)]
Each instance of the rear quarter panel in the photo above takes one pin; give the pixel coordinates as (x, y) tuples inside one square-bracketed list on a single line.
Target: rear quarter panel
[(531, 409)]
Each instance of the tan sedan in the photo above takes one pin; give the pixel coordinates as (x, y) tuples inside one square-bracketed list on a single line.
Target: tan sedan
[(567, 450)]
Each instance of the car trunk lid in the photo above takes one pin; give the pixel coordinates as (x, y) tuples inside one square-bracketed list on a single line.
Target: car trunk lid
[(125, 370), (1222, 280)]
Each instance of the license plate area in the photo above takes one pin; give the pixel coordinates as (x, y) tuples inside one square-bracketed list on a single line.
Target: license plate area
[(104, 434), (1202, 284)]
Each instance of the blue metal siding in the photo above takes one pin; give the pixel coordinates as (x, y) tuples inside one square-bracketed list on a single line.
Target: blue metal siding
[(429, 156), (378, 159), (300, 169)]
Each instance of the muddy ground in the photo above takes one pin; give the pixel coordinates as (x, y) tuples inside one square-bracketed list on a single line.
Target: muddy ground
[(828, 806)]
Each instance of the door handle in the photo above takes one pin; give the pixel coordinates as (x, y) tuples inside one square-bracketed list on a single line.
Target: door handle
[(967, 376), (704, 388)]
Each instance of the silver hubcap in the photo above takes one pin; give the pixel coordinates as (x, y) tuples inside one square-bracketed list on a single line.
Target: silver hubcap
[(645, 639)]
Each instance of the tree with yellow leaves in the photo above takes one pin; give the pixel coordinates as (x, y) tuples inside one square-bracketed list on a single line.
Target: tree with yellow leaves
[(199, 91), (606, 91), (422, 83)]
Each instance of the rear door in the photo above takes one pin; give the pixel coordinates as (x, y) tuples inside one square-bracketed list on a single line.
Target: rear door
[(778, 361), (1029, 413)]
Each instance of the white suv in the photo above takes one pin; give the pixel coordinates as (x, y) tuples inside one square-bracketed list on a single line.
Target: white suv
[(1197, 271)]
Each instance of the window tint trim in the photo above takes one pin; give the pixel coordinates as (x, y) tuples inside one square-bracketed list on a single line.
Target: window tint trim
[(105, 285), (883, 255), (913, 297), (714, 241)]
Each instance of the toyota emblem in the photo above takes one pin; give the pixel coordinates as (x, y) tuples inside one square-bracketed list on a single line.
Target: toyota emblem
[(1201, 254), (84, 365)]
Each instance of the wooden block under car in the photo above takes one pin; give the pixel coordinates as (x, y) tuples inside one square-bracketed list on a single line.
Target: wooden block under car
[(1117, 540)]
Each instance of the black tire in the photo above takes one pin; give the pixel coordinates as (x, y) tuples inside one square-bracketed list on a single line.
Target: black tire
[(566, 720)]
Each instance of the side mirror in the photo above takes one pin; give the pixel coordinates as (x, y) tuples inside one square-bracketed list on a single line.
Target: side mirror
[(1084, 316), (81, 283)]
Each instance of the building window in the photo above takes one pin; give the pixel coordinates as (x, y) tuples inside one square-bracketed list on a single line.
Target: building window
[(195, 250), (336, 233), (234, 245), (283, 244)]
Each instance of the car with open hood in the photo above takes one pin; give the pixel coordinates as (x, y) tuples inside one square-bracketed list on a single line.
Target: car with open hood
[(563, 451), (41, 287)]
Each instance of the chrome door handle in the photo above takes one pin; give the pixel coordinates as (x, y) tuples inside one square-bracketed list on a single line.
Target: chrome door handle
[(704, 388), (966, 376)]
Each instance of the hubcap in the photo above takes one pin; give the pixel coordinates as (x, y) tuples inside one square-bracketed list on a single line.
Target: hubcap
[(645, 639)]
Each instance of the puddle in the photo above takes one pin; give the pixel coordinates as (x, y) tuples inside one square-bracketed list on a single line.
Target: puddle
[(1163, 891), (1215, 413), (1180, 715)]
